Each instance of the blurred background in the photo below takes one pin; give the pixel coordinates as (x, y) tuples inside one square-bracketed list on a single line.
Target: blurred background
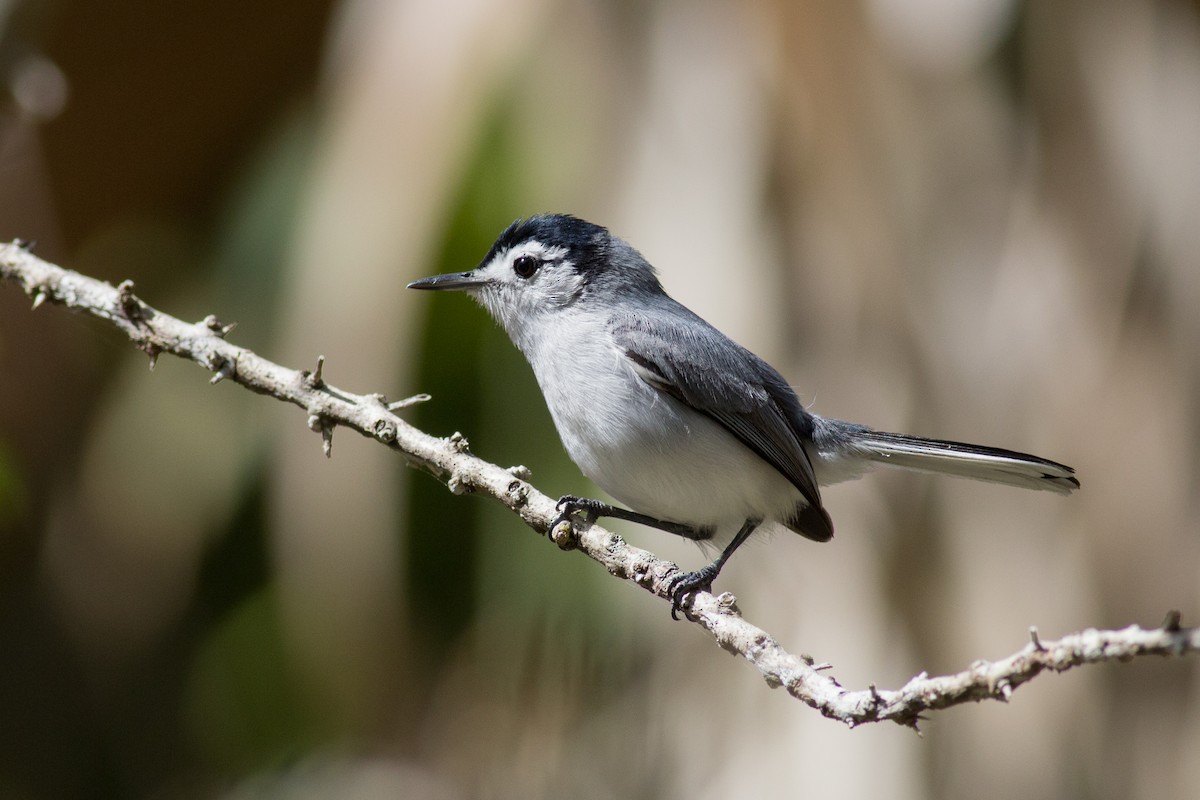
[(975, 220)]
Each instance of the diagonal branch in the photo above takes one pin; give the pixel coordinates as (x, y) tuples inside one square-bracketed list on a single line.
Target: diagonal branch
[(450, 461)]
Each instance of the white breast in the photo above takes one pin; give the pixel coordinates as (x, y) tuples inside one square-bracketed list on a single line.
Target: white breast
[(644, 448)]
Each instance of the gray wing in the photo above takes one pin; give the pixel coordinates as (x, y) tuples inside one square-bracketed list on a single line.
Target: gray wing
[(733, 387)]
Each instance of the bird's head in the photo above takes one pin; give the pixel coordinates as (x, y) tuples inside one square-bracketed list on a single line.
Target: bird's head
[(545, 264)]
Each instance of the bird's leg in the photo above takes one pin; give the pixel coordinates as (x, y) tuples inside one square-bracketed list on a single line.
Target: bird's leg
[(685, 583), (593, 509)]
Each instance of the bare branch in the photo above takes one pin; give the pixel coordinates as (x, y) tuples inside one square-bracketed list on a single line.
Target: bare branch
[(450, 460)]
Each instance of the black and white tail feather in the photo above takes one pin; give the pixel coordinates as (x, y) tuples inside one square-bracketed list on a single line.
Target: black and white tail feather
[(992, 464)]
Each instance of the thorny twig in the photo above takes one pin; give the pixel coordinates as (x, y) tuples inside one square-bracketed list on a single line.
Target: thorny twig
[(450, 460)]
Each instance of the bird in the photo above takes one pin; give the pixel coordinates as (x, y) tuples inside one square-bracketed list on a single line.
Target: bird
[(694, 433)]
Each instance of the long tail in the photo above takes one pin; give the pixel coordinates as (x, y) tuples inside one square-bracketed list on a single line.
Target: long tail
[(965, 460)]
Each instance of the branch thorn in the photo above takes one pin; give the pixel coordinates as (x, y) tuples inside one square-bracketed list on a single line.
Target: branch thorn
[(315, 379), (130, 305), (1172, 622), (318, 423), (152, 353), (226, 371), (877, 701), (812, 662), (1037, 642), (39, 298), (215, 326), (408, 401)]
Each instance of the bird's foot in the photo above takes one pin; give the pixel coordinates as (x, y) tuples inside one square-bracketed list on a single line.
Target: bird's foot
[(567, 506), (683, 586)]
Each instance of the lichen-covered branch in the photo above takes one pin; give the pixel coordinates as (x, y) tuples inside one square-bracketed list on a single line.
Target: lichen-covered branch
[(371, 415)]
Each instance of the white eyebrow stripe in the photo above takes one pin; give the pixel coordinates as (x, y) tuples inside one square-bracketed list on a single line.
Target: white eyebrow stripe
[(538, 250)]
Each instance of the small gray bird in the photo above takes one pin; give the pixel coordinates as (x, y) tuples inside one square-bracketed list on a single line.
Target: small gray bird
[(698, 435)]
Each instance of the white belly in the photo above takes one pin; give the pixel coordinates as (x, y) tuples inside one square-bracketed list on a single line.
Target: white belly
[(649, 451)]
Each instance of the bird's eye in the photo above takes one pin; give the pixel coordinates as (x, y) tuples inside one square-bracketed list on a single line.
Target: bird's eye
[(525, 266)]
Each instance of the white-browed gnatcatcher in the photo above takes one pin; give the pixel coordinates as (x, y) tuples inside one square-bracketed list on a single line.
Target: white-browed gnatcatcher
[(698, 435)]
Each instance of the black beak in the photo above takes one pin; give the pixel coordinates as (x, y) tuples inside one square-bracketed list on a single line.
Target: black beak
[(451, 280)]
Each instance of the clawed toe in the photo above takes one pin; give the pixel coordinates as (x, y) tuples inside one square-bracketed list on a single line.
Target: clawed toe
[(685, 584), (566, 506)]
